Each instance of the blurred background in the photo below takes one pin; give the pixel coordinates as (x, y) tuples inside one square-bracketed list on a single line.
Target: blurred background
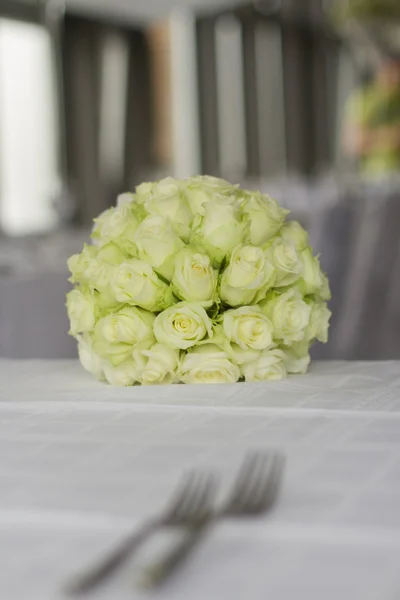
[(298, 99)]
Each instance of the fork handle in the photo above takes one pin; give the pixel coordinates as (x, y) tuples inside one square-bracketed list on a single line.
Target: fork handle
[(155, 573), (112, 561)]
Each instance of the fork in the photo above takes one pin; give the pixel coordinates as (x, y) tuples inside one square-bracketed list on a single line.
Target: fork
[(254, 493), (190, 505)]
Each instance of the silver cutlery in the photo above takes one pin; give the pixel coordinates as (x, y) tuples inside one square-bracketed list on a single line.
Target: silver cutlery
[(254, 493), (190, 506)]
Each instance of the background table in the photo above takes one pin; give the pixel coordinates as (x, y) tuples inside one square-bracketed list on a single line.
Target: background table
[(81, 461)]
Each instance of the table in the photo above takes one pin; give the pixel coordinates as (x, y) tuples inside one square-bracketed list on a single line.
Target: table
[(81, 462)]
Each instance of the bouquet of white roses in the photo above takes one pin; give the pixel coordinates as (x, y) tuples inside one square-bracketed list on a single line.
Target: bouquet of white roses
[(196, 281)]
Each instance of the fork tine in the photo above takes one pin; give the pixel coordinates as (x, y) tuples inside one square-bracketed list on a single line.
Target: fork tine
[(201, 504), (254, 483), (197, 497), (180, 497), (207, 501), (197, 518), (245, 482), (272, 485), (244, 472), (266, 487)]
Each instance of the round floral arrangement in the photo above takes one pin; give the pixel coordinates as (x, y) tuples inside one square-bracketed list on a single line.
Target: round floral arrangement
[(196, 281)]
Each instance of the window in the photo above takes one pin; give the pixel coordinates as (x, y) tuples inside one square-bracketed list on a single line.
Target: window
[(28, 129)]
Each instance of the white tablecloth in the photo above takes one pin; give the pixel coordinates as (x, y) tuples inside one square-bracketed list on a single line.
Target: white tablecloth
[(80, 462)]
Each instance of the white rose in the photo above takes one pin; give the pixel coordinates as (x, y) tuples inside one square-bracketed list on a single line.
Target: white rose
[(324, 292), (100, 268), (194, 278), (289, 314), (248, 327), (208, 364), (269, 366), (144, 191), (78, 263), (182, 325), (247, 273), (125, 198), (240, 357), (168, 201), (266, 217), (115, 223), (135, 282), (99, 274), (129, 325), (98, 222), (220, 230), (311, 274), (90, 361), (319, 322), (292, 231), (121, 375), (167, 187), (216, 184), (80, 307), (286, 260), (201, 189), (114, 353), (157, 244), (111, 254), (159, 365), (296, 357)]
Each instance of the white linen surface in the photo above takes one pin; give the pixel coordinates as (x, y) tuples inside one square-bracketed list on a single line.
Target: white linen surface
[(82, 462)]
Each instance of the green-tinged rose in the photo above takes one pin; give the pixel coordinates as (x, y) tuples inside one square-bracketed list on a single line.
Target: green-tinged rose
[(129, 325), (194, 278), (248, 327), (319, 322), (121, 375), (102, 218), (240, 357), (125, 198), (106, 302), (157, 244), (289, 315), (269, 366), (215, 184), (117, 225), (144, 191), (111, 254), (81, 311), (95, 266), (90, 361), (208, 364), (286, 260), (296, 357), (168, 201), (79, 263), (266, 217), (182, 325), (202, 189), (114, 353), (220, 230), (311, 275), (99, 274), (98, 265), (134, 282), (197, 197), (325, 292), (292, 231), (248, 274), (157, 364)]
